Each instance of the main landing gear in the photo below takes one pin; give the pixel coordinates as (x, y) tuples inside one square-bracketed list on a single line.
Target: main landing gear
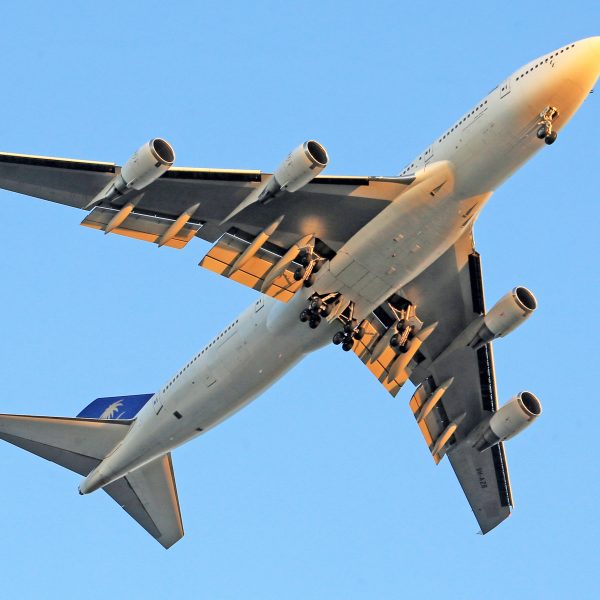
[(311, 263), (545, 131), (318, 308), (349, 333)]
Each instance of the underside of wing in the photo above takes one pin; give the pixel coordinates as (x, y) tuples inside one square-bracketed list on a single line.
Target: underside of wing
[(187, 202), (456, 387)]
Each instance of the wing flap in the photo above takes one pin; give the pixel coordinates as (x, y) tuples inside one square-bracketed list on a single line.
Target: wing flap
[(254, 272), (149, 495), (148, 228)]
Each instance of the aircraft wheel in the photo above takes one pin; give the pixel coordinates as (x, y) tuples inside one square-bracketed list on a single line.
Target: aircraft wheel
[(542, 132), (359, 334), (304, 316), (551, 138), (309, 281), (394, 341), (314, 322), (299, 273), (315, 305), (338, 338), (347, 345)]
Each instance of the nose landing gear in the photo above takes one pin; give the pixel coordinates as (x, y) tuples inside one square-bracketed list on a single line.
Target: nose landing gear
[(545, 131)]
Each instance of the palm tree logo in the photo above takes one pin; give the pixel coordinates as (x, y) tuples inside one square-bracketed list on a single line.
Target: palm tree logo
[(110, 411)]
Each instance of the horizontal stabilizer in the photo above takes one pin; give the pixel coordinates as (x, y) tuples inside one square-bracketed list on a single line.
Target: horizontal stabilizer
[(76, 444), (149, 495)]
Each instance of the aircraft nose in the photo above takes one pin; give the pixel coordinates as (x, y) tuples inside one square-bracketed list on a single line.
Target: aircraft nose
[(587, 57)]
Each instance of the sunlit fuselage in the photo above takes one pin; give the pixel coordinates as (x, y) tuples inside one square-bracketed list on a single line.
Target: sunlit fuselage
[(470, 161)]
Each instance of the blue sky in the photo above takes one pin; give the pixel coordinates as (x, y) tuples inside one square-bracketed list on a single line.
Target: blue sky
[(323, 487)]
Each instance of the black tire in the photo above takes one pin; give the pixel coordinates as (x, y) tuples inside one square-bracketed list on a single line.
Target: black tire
[(338, 338), (314, 322), (348, 328), (305, 260), (315, 305), (347, 346), (359, 334), (317, 266), (299, 273), (542, 132), (400, 326), (551, 138), (403, 349), (394, 340), (304, 316), (309, 281), (326, 310)]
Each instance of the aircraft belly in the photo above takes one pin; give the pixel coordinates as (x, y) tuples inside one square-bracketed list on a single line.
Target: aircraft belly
[(397, 244), (264, 347)]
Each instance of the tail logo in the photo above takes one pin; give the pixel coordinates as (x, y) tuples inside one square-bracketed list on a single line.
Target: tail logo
[(110, 411)]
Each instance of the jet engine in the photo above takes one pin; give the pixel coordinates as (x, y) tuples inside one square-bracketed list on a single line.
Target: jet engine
[(507, 314), (145, 166), (302, 165), (517, 414)]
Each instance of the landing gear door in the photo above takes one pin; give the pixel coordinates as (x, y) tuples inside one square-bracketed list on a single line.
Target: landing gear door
[(505, 88)]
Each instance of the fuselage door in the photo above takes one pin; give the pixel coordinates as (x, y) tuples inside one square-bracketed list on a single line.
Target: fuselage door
[(428, 154), (157, 403)]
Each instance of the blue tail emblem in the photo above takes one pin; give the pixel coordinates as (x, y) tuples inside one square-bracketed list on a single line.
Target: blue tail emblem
[(117, 407)]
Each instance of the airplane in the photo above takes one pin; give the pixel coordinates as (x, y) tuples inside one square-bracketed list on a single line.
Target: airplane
[(383, 266)]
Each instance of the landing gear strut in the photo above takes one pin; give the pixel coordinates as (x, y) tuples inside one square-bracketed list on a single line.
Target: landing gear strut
[(311, 263), (318, 307), (351, 331), (545, 131)]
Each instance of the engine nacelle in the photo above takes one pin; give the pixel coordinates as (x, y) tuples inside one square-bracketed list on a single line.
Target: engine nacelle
[(517, 414), (146, 165), (506, 315), (302, 165)]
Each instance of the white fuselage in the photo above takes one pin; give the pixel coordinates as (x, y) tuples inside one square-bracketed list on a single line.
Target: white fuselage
[(469, 161)]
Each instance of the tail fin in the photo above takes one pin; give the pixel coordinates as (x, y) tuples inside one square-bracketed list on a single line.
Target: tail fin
[(148, 494), (116, 407), (76, 444)]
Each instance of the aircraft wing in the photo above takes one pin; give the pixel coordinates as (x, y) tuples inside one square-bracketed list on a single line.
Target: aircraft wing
[(450, 292), (314, 209), (188, 202)]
